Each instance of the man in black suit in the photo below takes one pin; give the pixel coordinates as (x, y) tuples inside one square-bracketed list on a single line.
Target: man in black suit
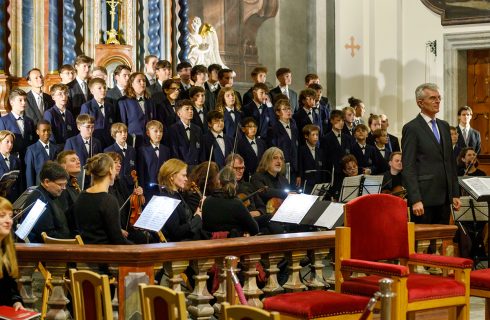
[(467, 136), (121, 77), (429, 170), (283, 75), (37, 100), (78, 88), (393, 145)]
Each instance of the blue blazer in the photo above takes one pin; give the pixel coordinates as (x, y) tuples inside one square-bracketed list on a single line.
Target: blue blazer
[(370, 159), (164, 111), (8, 122), (135, 119), (148, 166), (61, 130), (182, 148), (244, 148), (77, 98), (293, 97), (333, 153), (35, 158), (278, 137), (102, 123), (307, 163), (230, 125), (218, 156), (76, 144), (265, 119), (302, 119), (128, 162), (16, 189), (196, 119)]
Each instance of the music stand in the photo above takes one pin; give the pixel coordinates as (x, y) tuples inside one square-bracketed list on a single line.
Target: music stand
[(7, 181), (320, 189), (353, 187)]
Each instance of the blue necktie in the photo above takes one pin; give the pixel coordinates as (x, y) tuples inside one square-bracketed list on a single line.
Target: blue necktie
[(434, 129)]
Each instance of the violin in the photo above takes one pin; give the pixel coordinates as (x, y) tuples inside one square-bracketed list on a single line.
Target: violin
[(246, 198), (398, 191), (273, 205), (136, 202)]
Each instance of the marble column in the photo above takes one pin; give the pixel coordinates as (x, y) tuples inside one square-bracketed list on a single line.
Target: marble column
[(28, 27), (183, 30), (69, 25), (154, 29), (53, 27)]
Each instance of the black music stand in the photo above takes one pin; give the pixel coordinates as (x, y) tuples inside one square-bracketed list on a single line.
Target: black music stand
[(479, 189), (321, 190), (353, 187)]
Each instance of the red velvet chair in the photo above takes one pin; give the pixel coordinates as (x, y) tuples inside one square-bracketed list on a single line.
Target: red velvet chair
[(377, 229), (480, 287)]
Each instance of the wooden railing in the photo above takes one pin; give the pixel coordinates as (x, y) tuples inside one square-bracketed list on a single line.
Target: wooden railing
[(137, 263)]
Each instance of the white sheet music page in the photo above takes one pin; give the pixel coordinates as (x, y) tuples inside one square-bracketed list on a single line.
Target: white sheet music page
[(480, 186), (372, 184), (156, 213), (330, 216), (25, 228), (294, 208)]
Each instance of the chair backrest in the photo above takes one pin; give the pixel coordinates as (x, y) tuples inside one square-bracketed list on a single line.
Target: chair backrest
[(240, 312), (91, 295), (379, 229), (158, 302), (47, 239)]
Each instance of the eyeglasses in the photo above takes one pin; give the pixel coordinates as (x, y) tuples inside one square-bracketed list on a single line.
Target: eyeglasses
[(239, 168), (62, 185), (174, 89)]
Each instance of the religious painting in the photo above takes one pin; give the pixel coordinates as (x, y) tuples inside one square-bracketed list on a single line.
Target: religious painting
[(454, 12)]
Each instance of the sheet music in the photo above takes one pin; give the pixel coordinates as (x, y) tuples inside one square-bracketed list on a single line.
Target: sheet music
[(331, 215), (156, 213), (480, 186), (294, 208), (350, 188), (372, 184), (25, 228)]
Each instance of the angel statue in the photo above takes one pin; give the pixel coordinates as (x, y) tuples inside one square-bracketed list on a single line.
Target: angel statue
[(203, 43)]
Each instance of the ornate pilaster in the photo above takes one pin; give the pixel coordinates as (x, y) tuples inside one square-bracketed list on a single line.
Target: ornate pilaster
[(154, 27), (53, 50), (69, 25), (183, 30)]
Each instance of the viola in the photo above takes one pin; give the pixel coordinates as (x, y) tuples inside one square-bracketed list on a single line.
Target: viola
[(136, 201)]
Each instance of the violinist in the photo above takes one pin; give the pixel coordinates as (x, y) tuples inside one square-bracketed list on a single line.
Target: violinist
[(197, 184), (468, 163), (183, 224), (253, 202), (271, 173), (97, 211), (222, 211), (392, 179), (122, 193)]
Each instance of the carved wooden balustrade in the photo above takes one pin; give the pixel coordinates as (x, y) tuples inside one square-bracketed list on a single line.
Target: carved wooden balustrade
[(137, 263)]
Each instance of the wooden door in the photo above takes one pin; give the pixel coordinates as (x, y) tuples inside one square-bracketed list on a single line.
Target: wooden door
[(479, 96)]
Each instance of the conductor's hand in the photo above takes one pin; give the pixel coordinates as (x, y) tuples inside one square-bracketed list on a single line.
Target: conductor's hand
[(138, 191), (418, 208), (456, 203)]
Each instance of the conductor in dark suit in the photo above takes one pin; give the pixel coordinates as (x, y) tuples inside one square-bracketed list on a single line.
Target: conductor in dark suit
[(429, 170)]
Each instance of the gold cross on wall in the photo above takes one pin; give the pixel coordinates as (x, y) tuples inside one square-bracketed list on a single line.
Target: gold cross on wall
[(352, 46)]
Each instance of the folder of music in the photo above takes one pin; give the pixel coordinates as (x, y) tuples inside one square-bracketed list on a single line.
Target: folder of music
[(307, 209)]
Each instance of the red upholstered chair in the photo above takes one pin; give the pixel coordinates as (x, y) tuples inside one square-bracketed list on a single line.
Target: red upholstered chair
[(158, 302), (91, 295), (480, 287), (376, 229)]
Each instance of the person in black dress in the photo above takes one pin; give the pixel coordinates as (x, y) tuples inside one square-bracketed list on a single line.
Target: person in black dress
[(468, 163), (197, 183), (9, 270), (223, 211), (97, 211), (183, 224)]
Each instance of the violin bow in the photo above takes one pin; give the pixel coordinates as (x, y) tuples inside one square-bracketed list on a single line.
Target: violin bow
[(207, 171)]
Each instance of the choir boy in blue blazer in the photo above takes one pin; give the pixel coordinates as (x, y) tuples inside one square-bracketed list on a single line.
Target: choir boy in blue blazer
[(102, 110), (119, 132), (84, 144), (322, 108), (311, 165), (250, 147), (284, 135), (10, 162), (38, 153), (222, 145), (63, 125), (184, 137), (366, 154), (261, 109), (198, 98), (150, 159), (229, 105), (306, 113), (18, 123), (78, 88), (137, 108), (384, 153)]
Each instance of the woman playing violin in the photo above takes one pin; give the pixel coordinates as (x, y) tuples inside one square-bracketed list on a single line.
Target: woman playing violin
[(96, 211), (222, 211), (183, 224), (468, 163), (196, 184)]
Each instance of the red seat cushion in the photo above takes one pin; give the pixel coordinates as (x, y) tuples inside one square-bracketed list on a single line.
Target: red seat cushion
[(480, 279), (316, 304), (420, 287)]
